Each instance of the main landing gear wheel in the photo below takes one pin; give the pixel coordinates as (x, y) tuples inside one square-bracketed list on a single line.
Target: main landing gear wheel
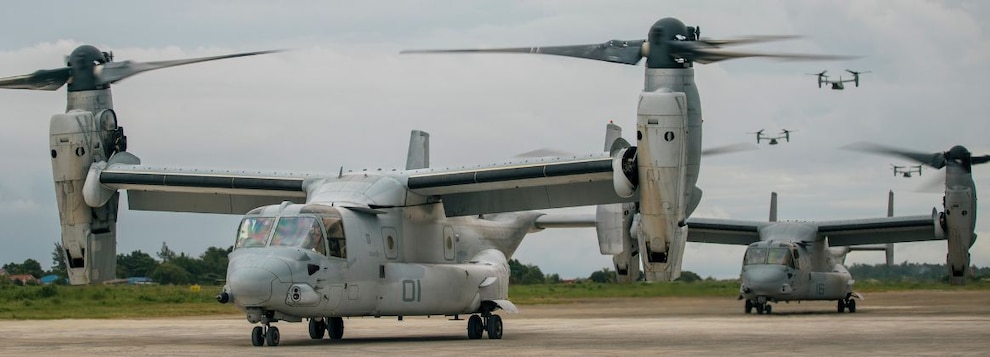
[(851, 305), (749, 306), (335, 327), (272, 336), (258, 336), (475, 328), (494, 327), (317, 327), (842, 305)]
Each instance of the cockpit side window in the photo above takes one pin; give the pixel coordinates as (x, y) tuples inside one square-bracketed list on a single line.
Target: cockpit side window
[(253, 232), (335, 237), (755, 256)]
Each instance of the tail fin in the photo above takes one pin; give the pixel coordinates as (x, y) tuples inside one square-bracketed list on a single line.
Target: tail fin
[(418, 156), (773, 206)]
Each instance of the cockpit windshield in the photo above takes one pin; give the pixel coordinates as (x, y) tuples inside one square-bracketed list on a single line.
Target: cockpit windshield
[(254, 232), (301, 231), (776, 256), (779, 256), (755, 256)]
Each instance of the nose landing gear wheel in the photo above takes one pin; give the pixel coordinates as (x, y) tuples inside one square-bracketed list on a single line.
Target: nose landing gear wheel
[(475, 328), (258, 336), (749, 306), (272, 336), (317, 327), (759, 309), (494, 327), (335, 327)]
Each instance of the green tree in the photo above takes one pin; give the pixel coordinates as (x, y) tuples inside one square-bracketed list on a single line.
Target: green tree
[(688, 277), (523, 274), (137, 263), (166, 254), (168, 273), (214, 264), (58, 262), (605, 275), (29, 266), (193, 266)]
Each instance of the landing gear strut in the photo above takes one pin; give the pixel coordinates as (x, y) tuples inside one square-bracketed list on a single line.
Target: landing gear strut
[(265, 334), (492, 324), (847, 303), (762, 306)]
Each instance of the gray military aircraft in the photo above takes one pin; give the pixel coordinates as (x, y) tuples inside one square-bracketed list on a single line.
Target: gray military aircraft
[(420, 241), (906, 171), (837, 84), (803, 260), (670, 169), (773, 140), (958, 220)]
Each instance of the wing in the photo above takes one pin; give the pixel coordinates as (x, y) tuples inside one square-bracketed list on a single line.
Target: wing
[(521, 185), (203, 191), (723, 231), (879, 230)]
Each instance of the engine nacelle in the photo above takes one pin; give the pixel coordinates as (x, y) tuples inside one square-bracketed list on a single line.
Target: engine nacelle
[(77, 139), (959, 219), (661, 136)]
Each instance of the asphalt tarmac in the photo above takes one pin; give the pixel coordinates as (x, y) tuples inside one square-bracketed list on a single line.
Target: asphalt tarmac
[(915, 323)]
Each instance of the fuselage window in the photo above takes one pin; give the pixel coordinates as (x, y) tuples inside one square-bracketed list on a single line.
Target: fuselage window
[(335, 237), (253, 232)]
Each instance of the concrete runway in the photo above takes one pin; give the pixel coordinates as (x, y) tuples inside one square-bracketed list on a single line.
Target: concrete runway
[(899, 323)]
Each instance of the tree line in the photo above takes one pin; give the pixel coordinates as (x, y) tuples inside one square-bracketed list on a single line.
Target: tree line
[(170, 267)]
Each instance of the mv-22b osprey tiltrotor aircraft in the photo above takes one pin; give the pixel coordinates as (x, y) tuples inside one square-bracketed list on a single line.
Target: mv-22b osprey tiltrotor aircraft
[(804, 260), (669, 169), (838, 84)]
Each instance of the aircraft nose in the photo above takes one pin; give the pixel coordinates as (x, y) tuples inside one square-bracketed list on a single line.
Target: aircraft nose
[(250, 286), (765, 280), (251, 279)]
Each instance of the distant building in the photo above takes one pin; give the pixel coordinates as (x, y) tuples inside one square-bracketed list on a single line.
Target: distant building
[(24, 278)]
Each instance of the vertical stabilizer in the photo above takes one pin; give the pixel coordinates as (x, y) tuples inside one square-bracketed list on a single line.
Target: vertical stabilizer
[(890, 213), (419, 150), (773, 206)]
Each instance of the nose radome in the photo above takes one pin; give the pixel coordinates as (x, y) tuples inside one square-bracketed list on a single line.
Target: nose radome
[(764, 280), (250, 286)]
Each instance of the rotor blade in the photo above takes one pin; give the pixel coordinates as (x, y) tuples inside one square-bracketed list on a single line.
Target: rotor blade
[(115, 71), (936, 160), (616, 51), (710, 55), (45, 79), (746, 40), (728, 149), (976, 160)]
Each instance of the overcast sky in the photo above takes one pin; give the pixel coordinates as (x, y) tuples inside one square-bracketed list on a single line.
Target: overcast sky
[(344, 97)]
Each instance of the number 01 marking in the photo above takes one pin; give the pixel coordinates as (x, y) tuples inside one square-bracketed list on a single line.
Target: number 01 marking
[(412, 291)]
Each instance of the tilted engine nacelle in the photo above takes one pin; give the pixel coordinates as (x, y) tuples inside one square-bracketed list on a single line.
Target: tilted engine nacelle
[(77, 140), (661, 138), (959, 219)]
